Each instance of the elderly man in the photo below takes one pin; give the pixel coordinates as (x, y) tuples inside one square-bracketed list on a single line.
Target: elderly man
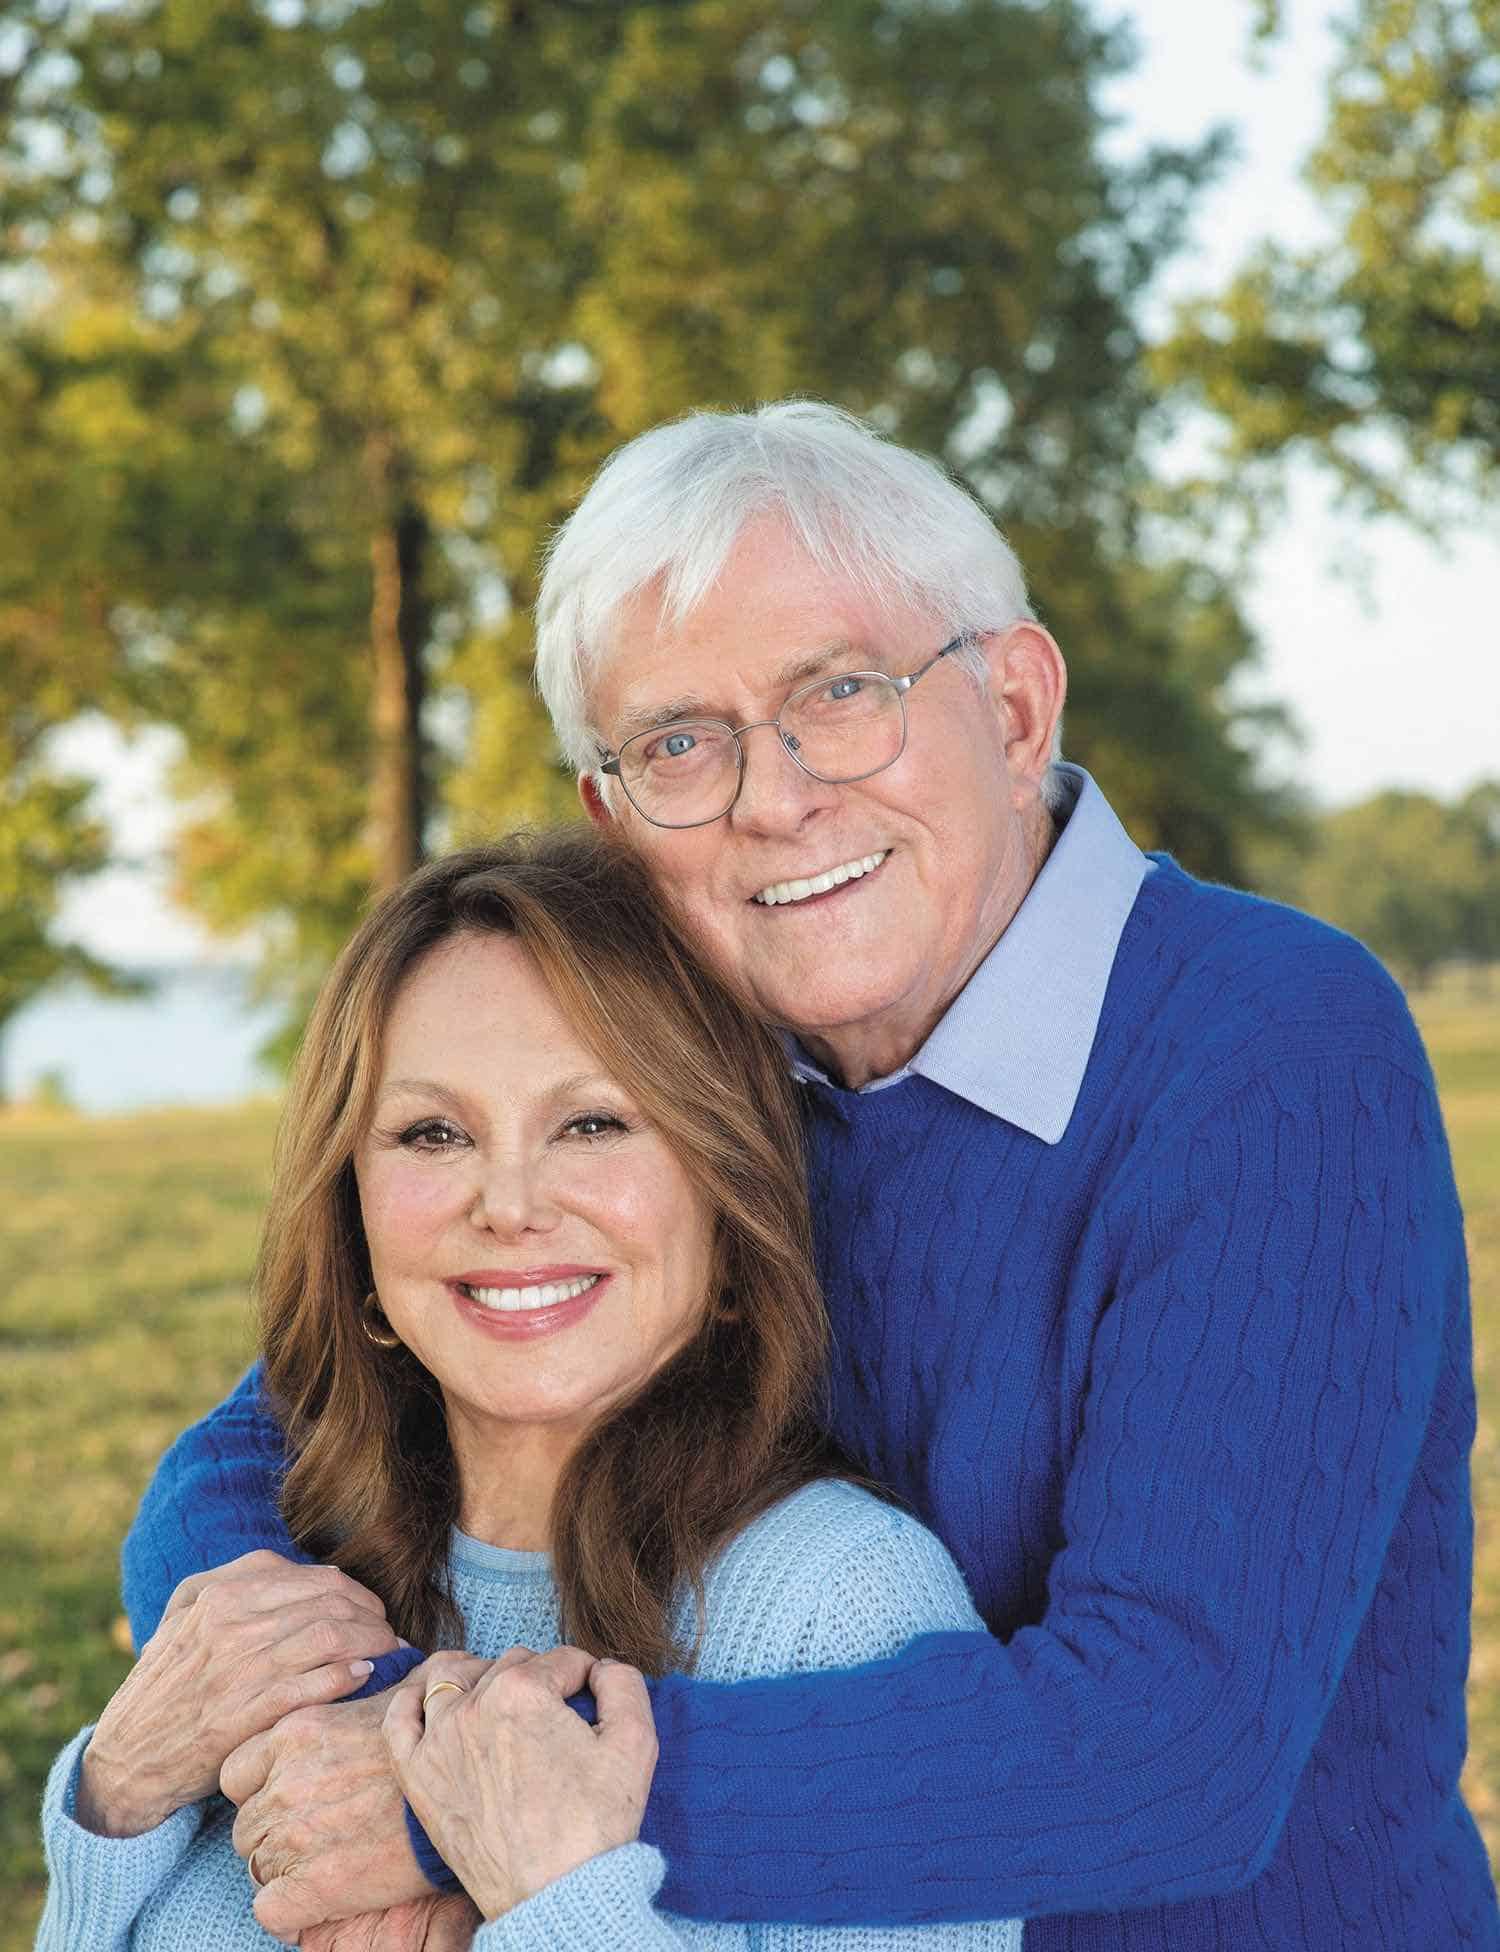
[(1141, 1248)]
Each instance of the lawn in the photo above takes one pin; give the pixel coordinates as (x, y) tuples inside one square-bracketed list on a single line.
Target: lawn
[(123, 1314)]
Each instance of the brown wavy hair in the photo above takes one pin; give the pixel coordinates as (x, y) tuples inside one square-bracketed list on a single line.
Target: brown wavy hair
[(718, 1434)]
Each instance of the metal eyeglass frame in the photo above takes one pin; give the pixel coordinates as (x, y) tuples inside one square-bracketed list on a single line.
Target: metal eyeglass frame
[(609, 762)]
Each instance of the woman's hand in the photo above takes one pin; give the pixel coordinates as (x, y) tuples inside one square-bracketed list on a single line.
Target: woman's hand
[(237, 1649), (512, 1787)]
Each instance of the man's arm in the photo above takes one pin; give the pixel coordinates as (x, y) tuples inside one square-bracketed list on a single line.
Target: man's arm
[(1142, 1743), (213, 1498), (1259, 1391)]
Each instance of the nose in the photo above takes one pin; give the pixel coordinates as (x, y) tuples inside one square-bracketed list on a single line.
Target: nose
[(776, 795), (511, 1199)]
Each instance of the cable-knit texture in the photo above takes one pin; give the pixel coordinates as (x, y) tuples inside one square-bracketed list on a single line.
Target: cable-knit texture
[(1189, 1397), (828, 1577)]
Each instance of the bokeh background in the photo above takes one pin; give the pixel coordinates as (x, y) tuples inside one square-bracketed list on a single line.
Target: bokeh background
[(315, 315)]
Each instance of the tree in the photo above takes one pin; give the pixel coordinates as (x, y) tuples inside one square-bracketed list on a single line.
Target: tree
[(45, 839), (57, 658), (1380, 356), (1416, 880), (392, 280)]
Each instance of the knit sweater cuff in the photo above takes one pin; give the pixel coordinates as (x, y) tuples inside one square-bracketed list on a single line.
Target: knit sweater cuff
[(603, 1905), (98, 1884)]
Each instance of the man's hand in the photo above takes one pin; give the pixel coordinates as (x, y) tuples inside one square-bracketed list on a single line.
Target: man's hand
[(237, 1648), (513, 1787), (322, 1814), (440, 1922)]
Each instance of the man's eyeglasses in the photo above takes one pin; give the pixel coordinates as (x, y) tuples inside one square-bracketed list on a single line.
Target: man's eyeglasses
[(690, 771)]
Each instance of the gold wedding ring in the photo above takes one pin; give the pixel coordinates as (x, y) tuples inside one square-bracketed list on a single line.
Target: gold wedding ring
[(437, 1688), (255, 1877)]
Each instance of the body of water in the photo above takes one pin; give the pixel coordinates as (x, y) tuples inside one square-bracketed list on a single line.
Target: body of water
[(192, 1041)]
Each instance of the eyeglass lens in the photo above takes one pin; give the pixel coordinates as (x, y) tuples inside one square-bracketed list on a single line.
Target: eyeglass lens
[(838, 729)]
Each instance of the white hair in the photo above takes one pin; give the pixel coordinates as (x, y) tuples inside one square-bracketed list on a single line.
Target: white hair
[(666, 509)]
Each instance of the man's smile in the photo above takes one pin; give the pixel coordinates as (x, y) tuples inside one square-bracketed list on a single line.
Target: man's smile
[(822, 883)]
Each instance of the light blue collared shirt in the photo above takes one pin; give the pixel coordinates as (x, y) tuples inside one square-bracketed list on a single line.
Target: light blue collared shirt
[(1016, 1039)]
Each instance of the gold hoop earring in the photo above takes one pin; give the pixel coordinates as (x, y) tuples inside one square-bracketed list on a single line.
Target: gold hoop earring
[(385, 1338)]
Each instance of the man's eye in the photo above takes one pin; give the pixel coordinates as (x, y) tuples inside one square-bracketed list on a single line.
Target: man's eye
[(843, 688), (677, 743), (432, 1135)]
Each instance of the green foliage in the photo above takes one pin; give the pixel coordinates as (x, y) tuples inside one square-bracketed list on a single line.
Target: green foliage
[(1417, 880), (1383, 352), (344, 304), (45, 836)]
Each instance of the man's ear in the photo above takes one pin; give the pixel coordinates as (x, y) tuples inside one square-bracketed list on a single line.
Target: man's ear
[(1029, 680), (594, 803)]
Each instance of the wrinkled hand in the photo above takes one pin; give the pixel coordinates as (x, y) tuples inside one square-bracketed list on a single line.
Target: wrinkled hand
[(511, 1785), (236, 1650), (440, 1922), (322, 1813)]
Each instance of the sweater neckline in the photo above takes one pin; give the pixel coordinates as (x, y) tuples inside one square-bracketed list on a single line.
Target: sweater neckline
[(477, 1555)]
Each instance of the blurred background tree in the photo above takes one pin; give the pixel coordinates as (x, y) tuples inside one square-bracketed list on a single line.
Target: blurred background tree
[(58, 659), (1380, 359), (1415, 878), (340, 305)]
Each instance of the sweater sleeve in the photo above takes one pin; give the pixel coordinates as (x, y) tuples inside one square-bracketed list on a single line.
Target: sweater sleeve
[(97, 1885), (603, 1905), (213, 1498), (1260, 1381)]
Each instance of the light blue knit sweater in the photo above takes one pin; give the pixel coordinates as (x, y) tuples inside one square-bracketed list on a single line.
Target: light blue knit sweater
[(828, 1578)]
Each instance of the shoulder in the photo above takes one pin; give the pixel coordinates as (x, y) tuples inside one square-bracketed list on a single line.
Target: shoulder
[(830, 1577), (241, 1426), (1238, 985)]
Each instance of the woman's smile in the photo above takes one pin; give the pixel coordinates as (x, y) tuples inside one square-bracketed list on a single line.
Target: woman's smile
[(531, 1305)]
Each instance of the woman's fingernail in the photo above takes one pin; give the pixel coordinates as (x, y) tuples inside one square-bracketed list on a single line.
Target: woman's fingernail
[(361, 1668)]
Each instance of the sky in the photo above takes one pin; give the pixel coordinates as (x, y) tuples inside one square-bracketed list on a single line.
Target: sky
[(1390, 667)]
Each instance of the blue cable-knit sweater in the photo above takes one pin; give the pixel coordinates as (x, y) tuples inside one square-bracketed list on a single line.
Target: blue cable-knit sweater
[(1189, 1397)]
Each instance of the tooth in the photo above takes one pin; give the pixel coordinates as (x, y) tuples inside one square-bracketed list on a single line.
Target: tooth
[(545, 1295)]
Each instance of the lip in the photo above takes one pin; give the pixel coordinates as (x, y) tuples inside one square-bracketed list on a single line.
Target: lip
[(527, 1325), (524, 1277)]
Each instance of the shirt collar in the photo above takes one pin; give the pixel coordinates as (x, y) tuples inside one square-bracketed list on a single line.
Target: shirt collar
[(1016, 1039)]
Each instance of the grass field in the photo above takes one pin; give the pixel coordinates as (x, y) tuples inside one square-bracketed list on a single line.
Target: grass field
[(123, 1269)]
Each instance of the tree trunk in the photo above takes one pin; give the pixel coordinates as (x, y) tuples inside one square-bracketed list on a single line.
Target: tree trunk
[(399, 618)]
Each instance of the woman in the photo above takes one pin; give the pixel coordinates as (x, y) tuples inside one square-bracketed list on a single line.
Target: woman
[(538, 1316)]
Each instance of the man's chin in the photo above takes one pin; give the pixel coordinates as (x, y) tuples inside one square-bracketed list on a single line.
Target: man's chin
[(817, 1011)]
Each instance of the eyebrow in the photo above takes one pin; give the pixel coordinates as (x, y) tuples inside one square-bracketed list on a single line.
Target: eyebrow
[(420, 1088), (646, 718), (581, 1082)]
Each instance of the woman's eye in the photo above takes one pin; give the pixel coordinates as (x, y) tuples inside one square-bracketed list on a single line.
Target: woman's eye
[(594, 1125), (432, 1135)]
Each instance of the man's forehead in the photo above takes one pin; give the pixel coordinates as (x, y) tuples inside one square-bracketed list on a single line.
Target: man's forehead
[(711, 686)]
